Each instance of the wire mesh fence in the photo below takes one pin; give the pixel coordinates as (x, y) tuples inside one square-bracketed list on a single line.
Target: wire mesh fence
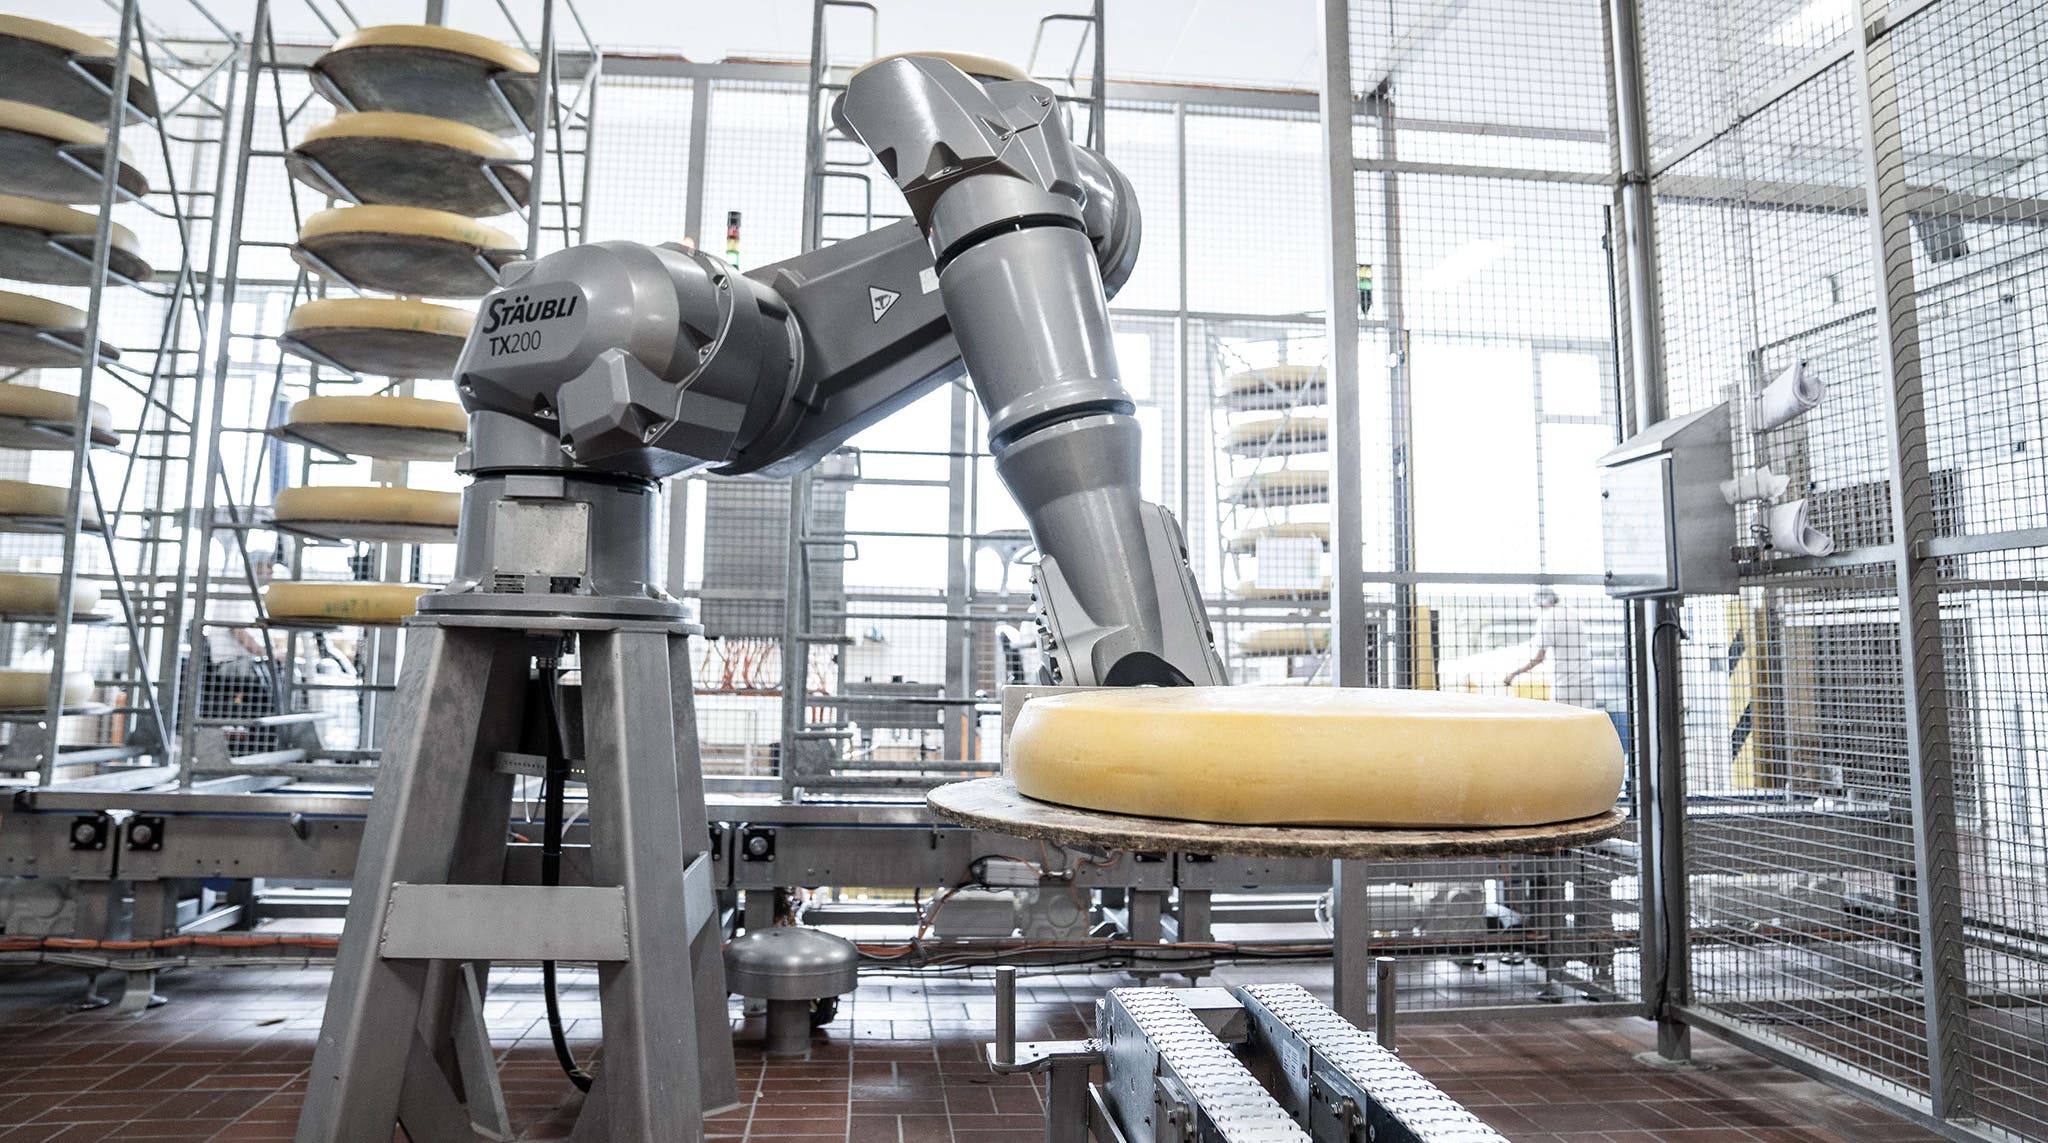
[(1818, 894)]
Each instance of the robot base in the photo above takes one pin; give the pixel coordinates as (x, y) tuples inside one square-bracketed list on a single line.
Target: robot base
[(429, 905)]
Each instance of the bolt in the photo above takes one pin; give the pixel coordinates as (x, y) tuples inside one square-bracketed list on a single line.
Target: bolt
[(757, 846), (83, 833)]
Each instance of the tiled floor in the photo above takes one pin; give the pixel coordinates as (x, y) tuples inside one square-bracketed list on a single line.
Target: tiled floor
[(226, 1060)]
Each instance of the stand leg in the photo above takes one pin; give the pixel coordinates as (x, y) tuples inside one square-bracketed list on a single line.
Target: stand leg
[(437, 771), (716, 1071), (630, 719)]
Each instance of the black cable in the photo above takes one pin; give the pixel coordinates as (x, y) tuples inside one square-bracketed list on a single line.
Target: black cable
[(553, 780)]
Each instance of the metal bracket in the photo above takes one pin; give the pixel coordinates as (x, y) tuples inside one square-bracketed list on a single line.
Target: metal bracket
[(146, 833), (90, 831)]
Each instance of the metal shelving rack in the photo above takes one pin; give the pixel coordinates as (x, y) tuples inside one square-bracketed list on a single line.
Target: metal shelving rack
[(249, 463), (1278, 426), (159, 325)]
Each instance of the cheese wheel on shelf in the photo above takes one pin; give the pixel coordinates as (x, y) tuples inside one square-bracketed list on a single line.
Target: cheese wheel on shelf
[(342, 602), (33, 418), (28, 593), (1251, 589), (405, 250), (41, 502), (1323, 756), (370, 513), (1247, 541), (33, 144), (1284, 486), (29, 688), (1286, 641), (383, 426), (383, 337), (41, 62), (399, 159), (427, 70), (37, 333), (1278, 431), (52, 244)]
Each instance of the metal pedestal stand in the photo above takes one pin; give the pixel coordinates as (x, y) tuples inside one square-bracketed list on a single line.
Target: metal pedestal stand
[(403, 1041)]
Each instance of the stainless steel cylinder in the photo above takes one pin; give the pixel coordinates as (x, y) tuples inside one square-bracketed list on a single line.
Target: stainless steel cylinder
[(789, 1028)]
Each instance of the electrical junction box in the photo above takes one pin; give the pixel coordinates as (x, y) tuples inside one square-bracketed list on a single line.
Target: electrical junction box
[(1665, 530)]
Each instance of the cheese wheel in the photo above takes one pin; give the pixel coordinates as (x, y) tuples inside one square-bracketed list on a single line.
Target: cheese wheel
[(1279, 431), (21, 498), (1286, 641), (401, 314), (362, 125), (35, 247), (29, 689), (62, 68), (42, 313), (1329, 756), (424, 70), (30, 403), (979, 66), (439, 39), (1285, 377), (386, 337), (373, 503), (401, 159), (31, 165), (345, 602), (1248, 540), (405, 250), (23, 593), (413, 220), (56, 35), (1253, 590), (1287, 484), (401, 412), (56, 219)]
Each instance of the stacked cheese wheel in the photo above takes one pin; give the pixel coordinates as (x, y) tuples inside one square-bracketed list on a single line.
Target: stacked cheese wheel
[(1274, 436), (57, 104), (419, 146), (54, 113)]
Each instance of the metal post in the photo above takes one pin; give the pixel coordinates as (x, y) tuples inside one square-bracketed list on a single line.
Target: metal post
[(1349, 917), (958, 731), (1383, 1001), (1400, 402), (1351, 940), (1660, 755), (188, 718), (700, 134), (88, 362), (1183, 405), (543, 120), (1006, 1015), (1347, 602), (1929, 759)]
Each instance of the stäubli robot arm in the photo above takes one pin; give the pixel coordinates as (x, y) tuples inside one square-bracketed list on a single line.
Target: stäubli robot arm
[(616, 364)]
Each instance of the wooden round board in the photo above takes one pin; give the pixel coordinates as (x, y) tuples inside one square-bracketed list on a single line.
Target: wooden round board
[(383, 442), (369, 531), (994, 804), (428, 81), (35, 166), (407, 172), (33, 434)]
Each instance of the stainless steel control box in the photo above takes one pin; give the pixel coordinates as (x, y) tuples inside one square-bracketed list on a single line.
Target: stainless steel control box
[(1665, 528)]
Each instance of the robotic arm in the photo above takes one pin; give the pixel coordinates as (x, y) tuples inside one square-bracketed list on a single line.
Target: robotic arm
[(601, 369)]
